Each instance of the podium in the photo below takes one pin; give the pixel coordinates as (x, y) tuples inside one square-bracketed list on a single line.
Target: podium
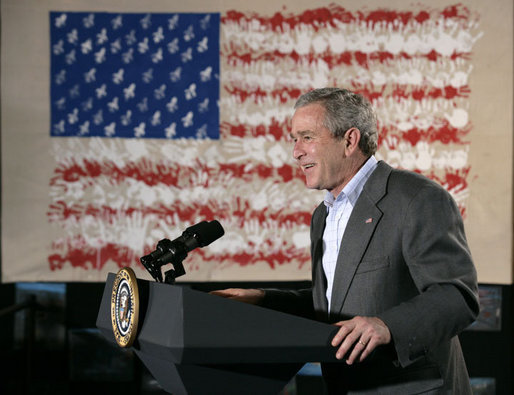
[(197, 343)]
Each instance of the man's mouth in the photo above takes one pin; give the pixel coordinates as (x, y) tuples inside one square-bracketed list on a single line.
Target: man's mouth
[(307, 166)]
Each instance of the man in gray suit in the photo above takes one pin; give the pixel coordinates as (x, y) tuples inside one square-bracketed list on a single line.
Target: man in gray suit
[(390, 262)]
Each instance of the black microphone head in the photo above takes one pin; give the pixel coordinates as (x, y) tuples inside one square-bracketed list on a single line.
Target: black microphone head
[(205, 232)]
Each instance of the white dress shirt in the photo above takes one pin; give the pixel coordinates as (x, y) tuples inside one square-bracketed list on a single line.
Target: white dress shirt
[(339, 211)]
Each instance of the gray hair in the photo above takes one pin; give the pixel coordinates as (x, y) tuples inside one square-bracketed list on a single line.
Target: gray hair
[(345, 110)]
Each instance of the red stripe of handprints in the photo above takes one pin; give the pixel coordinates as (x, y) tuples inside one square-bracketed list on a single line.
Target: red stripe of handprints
[(152, 174), (397, 92), (333, 15), (235, 56), (78, 254)]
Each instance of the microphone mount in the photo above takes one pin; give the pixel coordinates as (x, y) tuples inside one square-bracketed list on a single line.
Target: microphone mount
[(174, 252)]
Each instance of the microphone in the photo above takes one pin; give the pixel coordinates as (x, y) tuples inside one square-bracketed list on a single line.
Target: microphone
[(199, 235)]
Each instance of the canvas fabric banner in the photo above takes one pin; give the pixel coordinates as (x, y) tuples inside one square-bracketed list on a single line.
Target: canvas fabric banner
[(125, 122)]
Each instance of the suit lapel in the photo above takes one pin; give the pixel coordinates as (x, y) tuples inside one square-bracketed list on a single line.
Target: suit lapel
[(359, 230)]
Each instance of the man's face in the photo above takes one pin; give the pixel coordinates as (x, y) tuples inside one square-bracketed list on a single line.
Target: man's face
[(321, 156)]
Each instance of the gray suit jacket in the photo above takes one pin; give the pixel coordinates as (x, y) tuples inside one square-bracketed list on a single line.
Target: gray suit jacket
[(403, 258)]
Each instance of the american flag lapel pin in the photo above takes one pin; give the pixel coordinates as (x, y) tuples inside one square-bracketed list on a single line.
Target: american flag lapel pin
[(369, 220)]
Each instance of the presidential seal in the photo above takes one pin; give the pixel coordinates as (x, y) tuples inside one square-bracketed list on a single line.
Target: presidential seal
[(125, 307)]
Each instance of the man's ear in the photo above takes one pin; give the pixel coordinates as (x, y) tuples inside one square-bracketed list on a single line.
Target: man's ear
[(352, 138)]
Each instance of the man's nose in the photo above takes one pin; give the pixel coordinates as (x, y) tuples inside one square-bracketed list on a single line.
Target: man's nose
[(298, 150)]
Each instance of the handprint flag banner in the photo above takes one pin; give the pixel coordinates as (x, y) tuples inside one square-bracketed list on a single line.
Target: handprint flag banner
[(134, 75), (145, 122)]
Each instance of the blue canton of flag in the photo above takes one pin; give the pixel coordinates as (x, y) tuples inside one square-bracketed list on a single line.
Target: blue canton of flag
[(134, 75)]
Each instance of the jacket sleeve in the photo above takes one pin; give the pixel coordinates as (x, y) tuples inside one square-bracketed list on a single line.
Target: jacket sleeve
[(437, 256), (297, 302)]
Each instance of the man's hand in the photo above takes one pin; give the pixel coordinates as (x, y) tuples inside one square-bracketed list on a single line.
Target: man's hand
[(251, 296), (364, 334)]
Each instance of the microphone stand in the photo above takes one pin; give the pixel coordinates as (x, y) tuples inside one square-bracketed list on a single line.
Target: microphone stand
[(172, 274)]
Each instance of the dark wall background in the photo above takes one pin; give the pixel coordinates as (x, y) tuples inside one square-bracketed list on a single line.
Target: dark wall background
[(63, 353)]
